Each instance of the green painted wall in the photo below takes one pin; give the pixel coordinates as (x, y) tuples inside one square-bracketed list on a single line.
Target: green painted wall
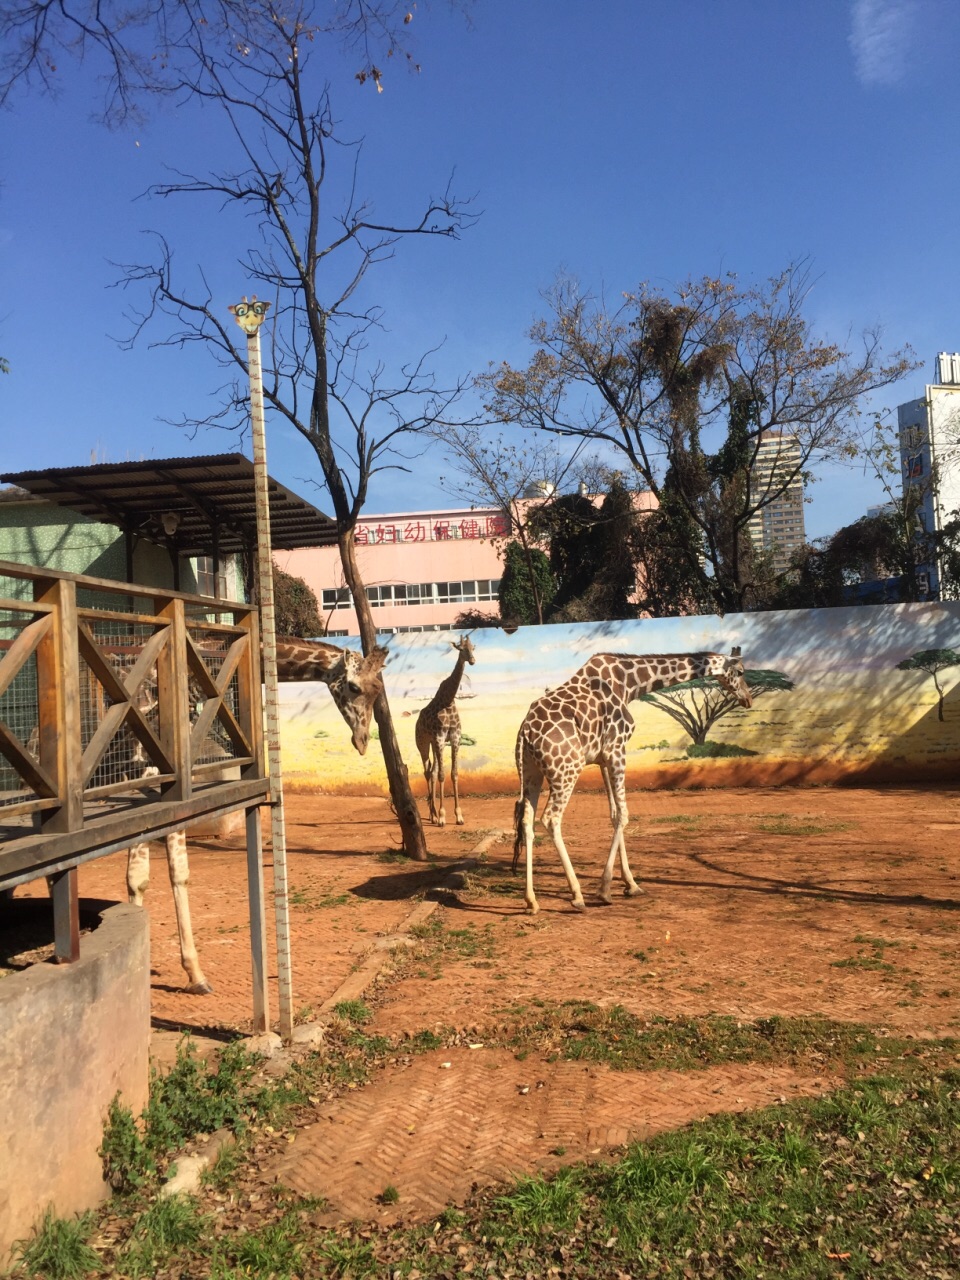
[(50, 537)]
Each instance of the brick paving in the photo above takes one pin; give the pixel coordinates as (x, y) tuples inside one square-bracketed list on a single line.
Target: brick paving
[(455, 1120)]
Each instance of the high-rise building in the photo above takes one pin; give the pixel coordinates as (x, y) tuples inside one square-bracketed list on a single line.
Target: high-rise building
[(930, 455), (778, 527)]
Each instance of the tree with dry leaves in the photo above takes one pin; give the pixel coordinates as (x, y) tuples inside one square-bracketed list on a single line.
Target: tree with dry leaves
[(686, 386)]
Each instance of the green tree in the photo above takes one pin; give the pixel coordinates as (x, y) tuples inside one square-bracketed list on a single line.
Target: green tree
[(697, 705), (687, 387), (932, 662), (527, 585), (297, 609)]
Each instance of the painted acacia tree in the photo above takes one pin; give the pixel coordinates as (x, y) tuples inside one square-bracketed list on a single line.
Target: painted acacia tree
[(697, 705), (686, 387), (316, 243), (932, 662)]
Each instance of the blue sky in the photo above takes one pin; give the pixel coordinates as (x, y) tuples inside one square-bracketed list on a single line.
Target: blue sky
[(623, 141)]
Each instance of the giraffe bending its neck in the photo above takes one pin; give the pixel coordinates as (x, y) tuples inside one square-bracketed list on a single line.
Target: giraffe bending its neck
[(587, 721), (437, 724), (354, 682)]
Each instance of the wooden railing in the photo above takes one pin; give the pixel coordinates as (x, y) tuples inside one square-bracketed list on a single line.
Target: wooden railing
[(125, 712)]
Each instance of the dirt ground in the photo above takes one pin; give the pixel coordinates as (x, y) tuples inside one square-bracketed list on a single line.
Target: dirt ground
[(798, 901), (842, 903)]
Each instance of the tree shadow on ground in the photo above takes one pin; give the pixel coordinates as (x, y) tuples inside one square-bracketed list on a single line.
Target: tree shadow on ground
[(745, 882)]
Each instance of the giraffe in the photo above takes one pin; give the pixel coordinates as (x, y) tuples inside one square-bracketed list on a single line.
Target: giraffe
[(437, 724), (354, 682), (587, 721)]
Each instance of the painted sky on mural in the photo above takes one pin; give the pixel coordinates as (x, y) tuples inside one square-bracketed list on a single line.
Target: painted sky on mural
[(622, 141)]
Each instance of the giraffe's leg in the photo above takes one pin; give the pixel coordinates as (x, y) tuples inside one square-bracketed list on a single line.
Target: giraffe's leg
[(620, 817), (526, 817), (179, 869), (560, 794), (454, 752), (138, 873), (428, 773), (441, 812)]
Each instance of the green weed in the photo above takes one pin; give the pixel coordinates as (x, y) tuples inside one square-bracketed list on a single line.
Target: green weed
[(171, 1225), (354, 1258), (535, 1202), (58, 1248), (276, 1250), (353, 1011), (786, 824)]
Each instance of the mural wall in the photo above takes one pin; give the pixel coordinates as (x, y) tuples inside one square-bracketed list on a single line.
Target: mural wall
[(840, 696)]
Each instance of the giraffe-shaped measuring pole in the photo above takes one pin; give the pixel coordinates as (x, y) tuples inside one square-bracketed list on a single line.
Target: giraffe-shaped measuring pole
[(437, 724), (587, 721), (354, 682)]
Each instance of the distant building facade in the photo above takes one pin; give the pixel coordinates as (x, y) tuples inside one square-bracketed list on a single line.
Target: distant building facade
[(778, 527), (930, 455), (420, 568)]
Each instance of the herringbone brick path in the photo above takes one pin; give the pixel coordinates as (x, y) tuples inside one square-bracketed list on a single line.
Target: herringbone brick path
[(460, 1118)]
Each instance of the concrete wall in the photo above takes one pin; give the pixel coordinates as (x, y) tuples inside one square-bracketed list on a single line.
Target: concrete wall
[(71, 1037)]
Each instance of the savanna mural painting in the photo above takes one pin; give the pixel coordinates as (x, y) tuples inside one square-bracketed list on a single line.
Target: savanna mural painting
[(868, 694)]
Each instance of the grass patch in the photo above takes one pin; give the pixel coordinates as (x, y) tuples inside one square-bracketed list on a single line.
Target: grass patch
[(353, 1011), (191, 1098), (439, 940), (172, 1226), (686, 819), (870, 955), (392, 855), (317, 901), (863, 1183), (579, 1031), (58, 1248), (786, 824)]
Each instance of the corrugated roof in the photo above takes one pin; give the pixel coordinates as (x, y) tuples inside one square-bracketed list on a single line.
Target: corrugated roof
[(211, 497)]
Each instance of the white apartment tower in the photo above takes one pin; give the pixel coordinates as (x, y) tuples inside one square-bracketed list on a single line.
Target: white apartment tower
[(930, 453), (778, 527)]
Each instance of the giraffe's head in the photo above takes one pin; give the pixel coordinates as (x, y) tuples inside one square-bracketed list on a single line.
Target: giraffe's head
[(354, 682), (464, 646), (729, 675)]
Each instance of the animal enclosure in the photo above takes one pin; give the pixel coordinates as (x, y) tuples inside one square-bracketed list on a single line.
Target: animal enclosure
[(124, 715)]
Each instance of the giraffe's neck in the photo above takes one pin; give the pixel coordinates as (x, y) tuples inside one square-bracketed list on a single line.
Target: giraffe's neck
[(448, 689), (306, 660), (632, 677)]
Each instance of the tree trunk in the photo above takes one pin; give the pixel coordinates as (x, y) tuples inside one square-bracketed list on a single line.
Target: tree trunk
[(405, 806)]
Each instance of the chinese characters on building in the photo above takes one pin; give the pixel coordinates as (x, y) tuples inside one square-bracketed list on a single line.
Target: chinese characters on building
[(495, 526)]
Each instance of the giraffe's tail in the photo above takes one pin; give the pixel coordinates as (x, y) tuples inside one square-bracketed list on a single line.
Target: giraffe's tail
[(518, 835)]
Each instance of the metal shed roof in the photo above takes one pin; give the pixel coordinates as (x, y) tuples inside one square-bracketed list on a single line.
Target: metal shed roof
[(208, 502)]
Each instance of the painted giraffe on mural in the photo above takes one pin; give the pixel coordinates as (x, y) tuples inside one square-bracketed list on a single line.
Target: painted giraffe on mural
[(437, 724), (587, 721), (354, 682)]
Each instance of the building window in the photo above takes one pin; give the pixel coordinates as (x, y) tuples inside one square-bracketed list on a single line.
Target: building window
[(337, 598), (210, 583)]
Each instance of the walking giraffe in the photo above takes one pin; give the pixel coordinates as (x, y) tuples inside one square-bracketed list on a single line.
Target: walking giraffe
[(354, 682), (437, 724), (587, 721)]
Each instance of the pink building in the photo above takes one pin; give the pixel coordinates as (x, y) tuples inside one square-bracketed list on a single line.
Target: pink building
[(421, 569)]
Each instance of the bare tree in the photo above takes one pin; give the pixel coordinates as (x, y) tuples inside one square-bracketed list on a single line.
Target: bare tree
[(134, 44), (519, 480), (312, 256), (687, 387)]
